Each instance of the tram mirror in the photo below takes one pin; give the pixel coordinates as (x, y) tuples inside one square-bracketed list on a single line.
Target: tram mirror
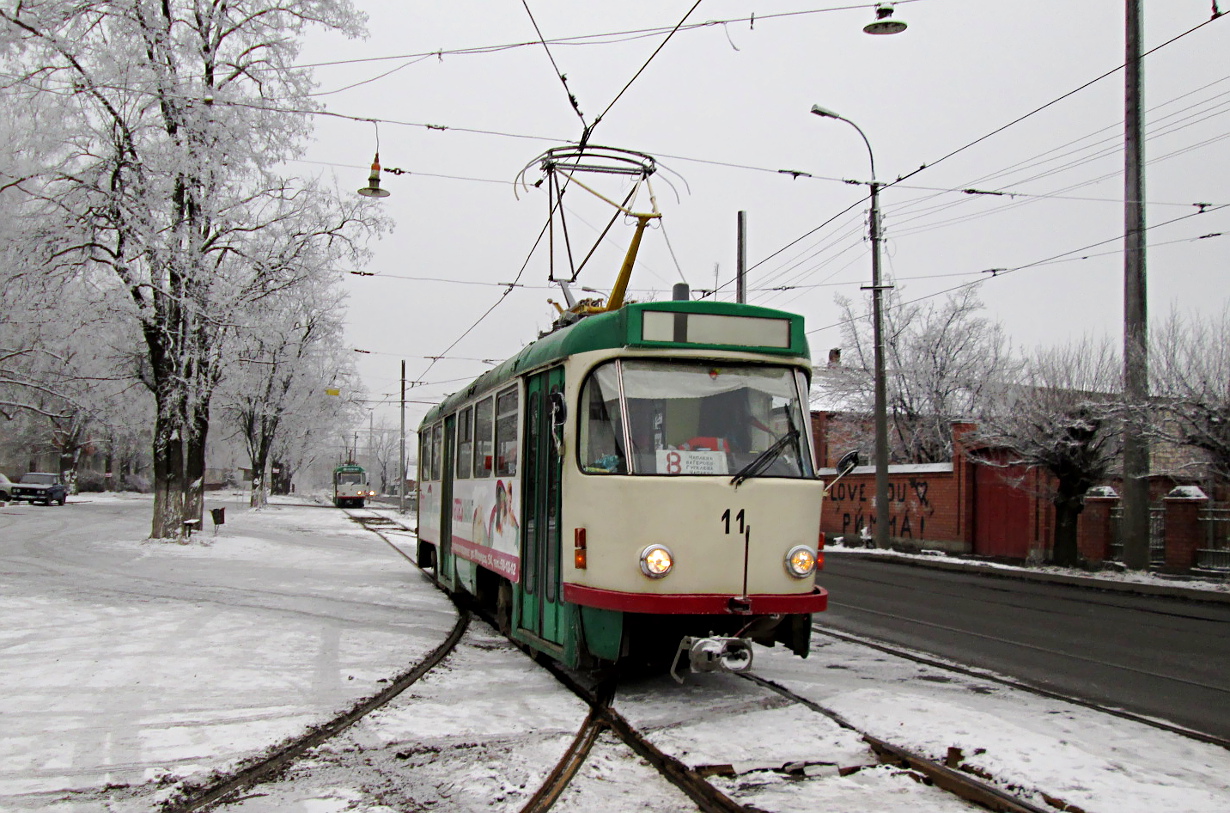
[(845, 465), (848, 462), (559, 412)]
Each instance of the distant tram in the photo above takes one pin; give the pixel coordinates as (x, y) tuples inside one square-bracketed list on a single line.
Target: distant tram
[(350, 486), (667, 447)]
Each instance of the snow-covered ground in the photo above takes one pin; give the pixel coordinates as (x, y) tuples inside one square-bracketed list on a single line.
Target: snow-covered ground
[(1109, 576), (126, 662)]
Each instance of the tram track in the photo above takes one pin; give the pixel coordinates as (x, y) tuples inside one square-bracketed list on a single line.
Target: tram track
[(602, 717), (949, 774), (269, 765), (223, 788), (694, 781), (1038, 691), (947, 777)]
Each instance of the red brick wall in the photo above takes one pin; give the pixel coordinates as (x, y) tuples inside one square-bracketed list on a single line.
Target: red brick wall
[(934, 506), (924, 506)]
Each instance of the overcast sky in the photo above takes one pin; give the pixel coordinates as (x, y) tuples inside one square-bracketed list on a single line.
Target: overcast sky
[(724, 107)]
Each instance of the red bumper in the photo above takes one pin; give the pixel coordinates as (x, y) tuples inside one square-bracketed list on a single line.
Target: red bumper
[(698, 604)]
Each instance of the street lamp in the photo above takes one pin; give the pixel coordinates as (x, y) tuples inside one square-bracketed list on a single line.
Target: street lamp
[(884, 22), (877, 321), (373, 190)]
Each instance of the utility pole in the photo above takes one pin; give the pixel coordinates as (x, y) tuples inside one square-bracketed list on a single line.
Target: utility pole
[(741, 262), (881, 530), (881, 397), (1134, 526), (401, 465)]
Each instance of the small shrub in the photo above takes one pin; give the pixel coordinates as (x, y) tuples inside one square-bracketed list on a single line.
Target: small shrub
[(134, 482), (90, 481)]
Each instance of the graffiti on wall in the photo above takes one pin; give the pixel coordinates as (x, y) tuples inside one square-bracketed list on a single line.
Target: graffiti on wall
[(908, 507)]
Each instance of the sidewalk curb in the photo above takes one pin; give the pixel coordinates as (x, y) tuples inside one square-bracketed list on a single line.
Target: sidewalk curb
[(1086, 582)]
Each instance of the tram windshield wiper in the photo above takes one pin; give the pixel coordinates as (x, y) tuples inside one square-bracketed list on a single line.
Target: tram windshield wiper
[(766, 457)]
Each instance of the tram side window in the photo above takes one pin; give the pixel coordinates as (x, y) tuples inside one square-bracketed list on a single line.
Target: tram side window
[(483, 424), (465, 442), (506, 433), (601, 446), (437, 438), (425, 455)]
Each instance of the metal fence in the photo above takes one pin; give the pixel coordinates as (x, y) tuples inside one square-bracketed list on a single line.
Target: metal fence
[(1157, 534), (1214, 553)]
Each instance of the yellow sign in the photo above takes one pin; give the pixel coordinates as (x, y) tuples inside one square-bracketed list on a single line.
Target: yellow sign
[(333, 392)]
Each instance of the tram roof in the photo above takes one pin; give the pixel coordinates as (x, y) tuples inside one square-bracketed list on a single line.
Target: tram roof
[(670, 325)]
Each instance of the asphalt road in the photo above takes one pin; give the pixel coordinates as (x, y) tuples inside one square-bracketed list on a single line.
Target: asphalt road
[(1160, 657)]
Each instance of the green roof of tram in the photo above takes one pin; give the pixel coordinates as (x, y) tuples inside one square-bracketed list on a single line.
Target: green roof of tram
[(621, 328)]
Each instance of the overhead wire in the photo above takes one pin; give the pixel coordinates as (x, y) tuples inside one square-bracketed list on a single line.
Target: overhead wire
[(1051, 260), (1000, 129), (1052, 103), (587, 39), (572, 99), (641, 70)]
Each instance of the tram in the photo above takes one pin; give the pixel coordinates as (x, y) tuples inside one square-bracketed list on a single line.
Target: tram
[(635, 485), (350, 488)]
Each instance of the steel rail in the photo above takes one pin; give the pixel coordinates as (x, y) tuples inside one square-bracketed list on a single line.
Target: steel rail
[(217, 791), (889, 649), (954, 781), (564, 771), (706, 797)]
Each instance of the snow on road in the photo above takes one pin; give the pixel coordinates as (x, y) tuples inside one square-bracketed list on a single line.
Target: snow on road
[(127, 661)]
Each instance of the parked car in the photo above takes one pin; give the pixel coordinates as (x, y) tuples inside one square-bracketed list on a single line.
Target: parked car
[(6, 488), (40, 486)]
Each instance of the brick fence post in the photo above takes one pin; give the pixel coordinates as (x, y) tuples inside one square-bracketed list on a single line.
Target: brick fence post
[(1094, 532), (1183, 531)]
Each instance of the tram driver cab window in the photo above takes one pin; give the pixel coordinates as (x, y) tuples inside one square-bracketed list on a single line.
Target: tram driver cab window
[(694, 418), (602, 438)]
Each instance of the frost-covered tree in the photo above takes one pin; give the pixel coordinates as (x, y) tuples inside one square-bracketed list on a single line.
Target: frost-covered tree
[(1190, 368), (1064, 417), (29, 291), (287, 358), (941, 362), (176, 111)]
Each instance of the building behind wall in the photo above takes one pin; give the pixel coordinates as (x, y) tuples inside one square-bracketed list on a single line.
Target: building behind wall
[(968, 507)]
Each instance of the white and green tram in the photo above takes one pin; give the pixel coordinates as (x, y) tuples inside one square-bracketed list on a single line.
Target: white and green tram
[(634, 486)]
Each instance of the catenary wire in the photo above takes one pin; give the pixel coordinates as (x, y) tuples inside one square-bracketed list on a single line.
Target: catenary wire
[(999, 272)]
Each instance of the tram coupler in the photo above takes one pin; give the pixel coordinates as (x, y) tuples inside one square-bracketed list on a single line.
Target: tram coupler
[(713, 654)]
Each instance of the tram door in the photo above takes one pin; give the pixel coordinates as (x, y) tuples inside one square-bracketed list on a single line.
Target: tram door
[(541, 600), (444, 559)]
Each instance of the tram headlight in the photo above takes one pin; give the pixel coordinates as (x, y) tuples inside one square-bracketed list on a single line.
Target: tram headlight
[(656, 561), (800, 561)]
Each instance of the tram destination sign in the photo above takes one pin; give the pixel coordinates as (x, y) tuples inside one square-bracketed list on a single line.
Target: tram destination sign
[(713, 328)]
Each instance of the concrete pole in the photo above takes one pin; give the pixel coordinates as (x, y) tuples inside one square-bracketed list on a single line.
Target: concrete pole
[(741, 262), (881, 397), (877, 323), (1134, 528), (401, 464)]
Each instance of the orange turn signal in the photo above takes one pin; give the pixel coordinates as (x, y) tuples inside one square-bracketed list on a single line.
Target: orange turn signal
[(578, 554)]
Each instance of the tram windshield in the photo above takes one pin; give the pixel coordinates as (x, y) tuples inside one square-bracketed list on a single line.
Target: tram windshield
[(692, 418), (350, 478)]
